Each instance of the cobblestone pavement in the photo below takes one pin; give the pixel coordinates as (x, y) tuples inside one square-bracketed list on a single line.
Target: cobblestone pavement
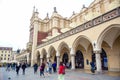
[(70, 75)]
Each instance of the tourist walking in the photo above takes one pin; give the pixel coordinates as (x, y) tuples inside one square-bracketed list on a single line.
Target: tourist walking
[(23, 68), (17, 69), (50, 67), (47, 68), (42, 67), (61, 71), (35, 66)]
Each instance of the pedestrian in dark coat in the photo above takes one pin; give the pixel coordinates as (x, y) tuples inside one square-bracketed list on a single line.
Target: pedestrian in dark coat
[(54, 65), (17, 68), (42, 67), (92, 67), (23, 68), (35, 66)]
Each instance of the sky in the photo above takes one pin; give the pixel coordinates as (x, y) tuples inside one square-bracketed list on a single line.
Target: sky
[(15, 17)]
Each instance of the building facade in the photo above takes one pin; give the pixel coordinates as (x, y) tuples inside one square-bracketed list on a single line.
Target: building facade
[(23, 57), (91, 35), (5, 54)]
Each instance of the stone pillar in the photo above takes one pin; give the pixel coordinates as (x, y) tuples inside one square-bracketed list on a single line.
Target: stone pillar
[(28, 58), (48, 57), (98, 61), (58, 58), (41, 60), (72, 53), (58, 61), (73, 61)]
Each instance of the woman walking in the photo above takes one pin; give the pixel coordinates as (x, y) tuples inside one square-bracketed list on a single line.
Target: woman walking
[(42, 69), (61, 72)]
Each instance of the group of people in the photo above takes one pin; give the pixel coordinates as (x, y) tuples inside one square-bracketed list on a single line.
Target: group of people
[(17, 66), (50, 68), (47, 67), (23, 66)]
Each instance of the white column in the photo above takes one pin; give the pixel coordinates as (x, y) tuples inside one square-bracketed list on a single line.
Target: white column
[(58, 61), (48, 57), (98, 61), (73, 61), (58, 58), (41, 60), (28, 58), (72, 53)]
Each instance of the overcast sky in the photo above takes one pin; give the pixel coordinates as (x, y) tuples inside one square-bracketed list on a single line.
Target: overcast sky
[(15, 17)]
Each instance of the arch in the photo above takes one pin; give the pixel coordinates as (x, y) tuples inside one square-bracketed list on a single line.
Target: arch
[(61, 45), (79, 59), (65, 58), (64, 52), (37, 58), (115, 29), (83, 40), (104, 59), (44, 55), (52, 54)]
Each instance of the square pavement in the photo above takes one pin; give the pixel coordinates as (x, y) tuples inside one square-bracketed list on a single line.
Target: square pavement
[(70, 75)]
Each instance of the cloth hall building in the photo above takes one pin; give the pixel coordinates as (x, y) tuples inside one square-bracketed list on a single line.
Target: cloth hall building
[(93, 34)]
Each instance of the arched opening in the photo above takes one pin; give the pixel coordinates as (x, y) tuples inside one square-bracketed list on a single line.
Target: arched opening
[(65, 58), (44, 58), (52, 52), (64, 54), (44, 55), (104, 60), (55, 59), (79, 60), (38, 59)]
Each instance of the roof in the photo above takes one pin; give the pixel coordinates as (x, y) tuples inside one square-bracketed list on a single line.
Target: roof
[(5, 48)]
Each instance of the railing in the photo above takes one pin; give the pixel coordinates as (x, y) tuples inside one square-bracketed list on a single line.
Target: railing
[(92, 23)]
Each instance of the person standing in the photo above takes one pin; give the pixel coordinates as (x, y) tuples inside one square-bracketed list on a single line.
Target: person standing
[(23, 68), (47, 68), (35, 66), (54, 65), (92, 67), (50, 67), (17, 68), (61, 71)]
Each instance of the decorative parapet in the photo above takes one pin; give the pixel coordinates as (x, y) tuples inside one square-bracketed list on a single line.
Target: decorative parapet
[(92, 23)]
